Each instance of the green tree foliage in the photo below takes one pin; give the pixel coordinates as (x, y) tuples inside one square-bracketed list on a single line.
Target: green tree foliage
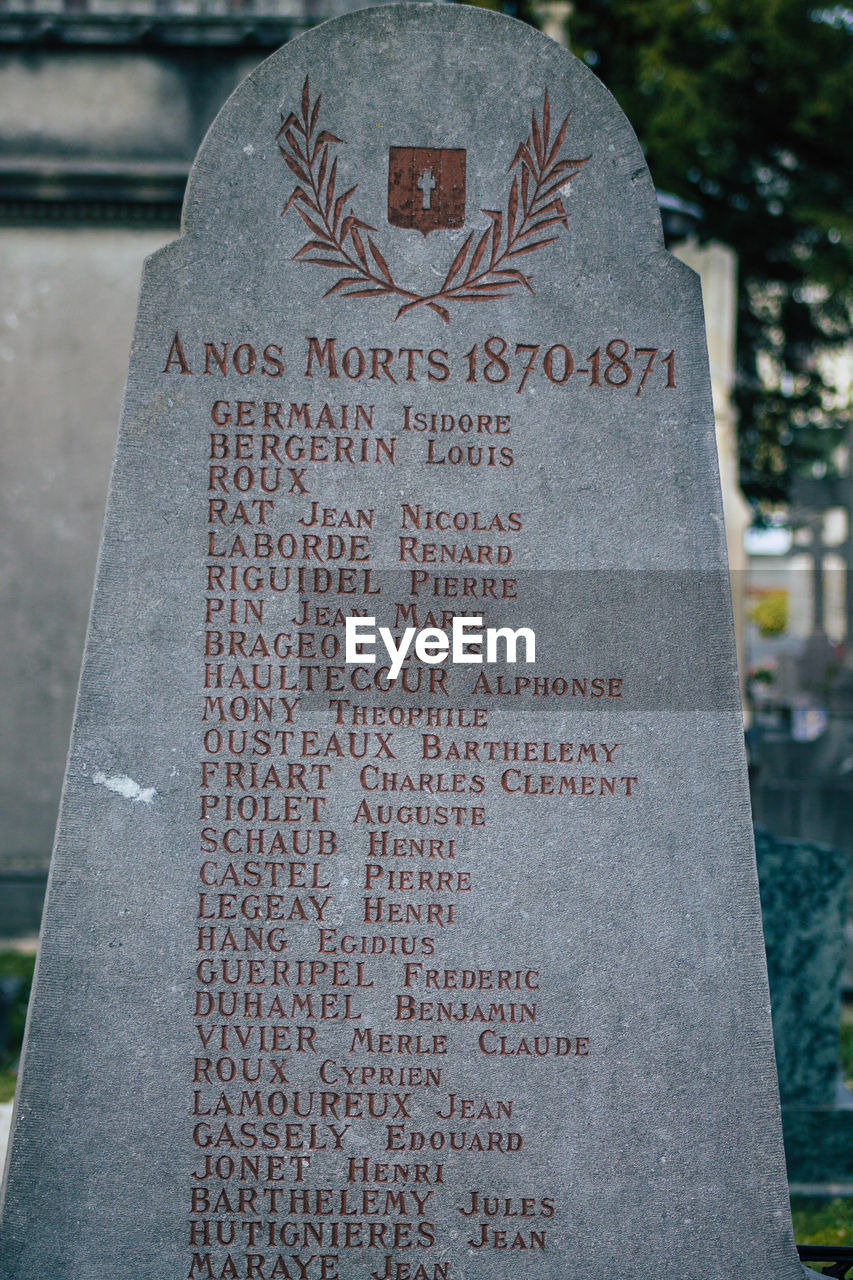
[(745, 108)]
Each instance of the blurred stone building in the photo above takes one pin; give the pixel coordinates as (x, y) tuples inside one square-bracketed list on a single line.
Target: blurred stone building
[(103, 104)]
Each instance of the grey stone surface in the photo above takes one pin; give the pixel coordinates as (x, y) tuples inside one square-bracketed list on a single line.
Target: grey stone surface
[(67, 304), (602, 1097)]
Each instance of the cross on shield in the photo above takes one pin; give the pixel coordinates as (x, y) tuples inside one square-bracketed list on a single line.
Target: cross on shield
[(426, 188)]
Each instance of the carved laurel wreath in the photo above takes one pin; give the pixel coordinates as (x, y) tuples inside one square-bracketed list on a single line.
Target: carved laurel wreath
[(481, 270)]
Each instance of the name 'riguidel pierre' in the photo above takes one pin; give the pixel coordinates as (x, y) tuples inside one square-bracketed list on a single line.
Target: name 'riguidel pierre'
[(432, 645)]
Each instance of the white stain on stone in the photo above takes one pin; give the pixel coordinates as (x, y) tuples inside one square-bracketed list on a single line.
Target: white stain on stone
[(124, 786)]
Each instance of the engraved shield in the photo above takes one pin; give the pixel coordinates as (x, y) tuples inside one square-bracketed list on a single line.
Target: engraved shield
[(426, 188)]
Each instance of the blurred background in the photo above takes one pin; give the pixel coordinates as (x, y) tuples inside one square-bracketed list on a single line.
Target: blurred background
[(743, 108)]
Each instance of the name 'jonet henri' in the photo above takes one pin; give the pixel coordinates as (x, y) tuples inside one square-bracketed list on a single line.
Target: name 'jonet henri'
[(432, 645)]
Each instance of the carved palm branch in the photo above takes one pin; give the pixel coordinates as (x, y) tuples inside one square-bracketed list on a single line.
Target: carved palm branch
[(484, 269)]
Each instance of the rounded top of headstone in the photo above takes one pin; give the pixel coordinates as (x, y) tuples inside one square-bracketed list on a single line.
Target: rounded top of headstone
[(466, 96)]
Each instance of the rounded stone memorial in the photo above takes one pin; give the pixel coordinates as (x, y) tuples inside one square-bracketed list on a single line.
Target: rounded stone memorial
[(403, 921)]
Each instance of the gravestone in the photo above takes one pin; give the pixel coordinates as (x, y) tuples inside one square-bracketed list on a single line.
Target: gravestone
[(803, 901), (804, 906), (445, 964)]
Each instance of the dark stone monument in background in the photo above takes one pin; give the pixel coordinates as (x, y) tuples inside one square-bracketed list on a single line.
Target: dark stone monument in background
[(804, 909), (449, 964)]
